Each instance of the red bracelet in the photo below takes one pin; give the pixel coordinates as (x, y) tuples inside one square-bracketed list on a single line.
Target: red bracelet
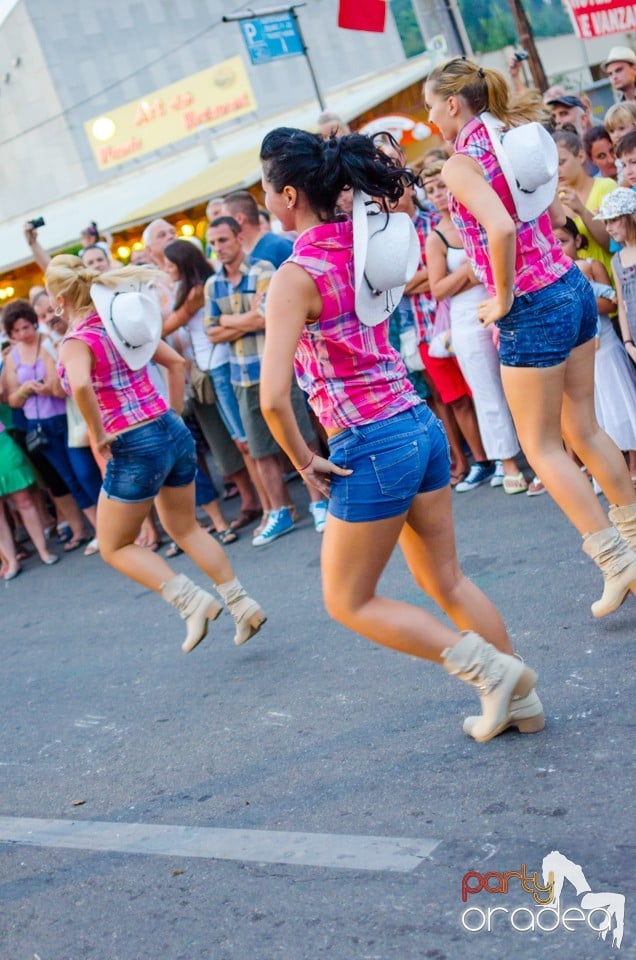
[(307, 465)]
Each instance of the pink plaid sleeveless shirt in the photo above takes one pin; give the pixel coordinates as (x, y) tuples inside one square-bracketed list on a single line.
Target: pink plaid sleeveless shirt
[(125, 397), (350, 372), (539, 259)]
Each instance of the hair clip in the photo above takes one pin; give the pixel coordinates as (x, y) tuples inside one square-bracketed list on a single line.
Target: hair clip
[(481, 74)]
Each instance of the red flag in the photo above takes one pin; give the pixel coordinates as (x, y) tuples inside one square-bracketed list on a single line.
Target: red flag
[(362, 15)]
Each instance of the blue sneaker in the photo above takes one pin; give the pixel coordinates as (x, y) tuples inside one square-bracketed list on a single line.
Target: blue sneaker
[(279, 522), (479, 473)]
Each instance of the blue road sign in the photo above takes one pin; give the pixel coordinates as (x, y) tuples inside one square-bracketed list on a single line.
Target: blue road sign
[(270, 38)]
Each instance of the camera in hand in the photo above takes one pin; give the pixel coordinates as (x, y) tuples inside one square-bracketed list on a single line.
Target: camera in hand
[(521, 55), (35, 224)]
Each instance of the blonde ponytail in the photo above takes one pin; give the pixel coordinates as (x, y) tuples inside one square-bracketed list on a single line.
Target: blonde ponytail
[(66, 276), (485, 89)]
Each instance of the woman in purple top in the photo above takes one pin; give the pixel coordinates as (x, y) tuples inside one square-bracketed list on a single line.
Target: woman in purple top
[(388, 477), (545, 311)]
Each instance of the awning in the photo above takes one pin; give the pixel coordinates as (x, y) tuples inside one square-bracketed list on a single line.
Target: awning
[(232, 173), (188, 176)]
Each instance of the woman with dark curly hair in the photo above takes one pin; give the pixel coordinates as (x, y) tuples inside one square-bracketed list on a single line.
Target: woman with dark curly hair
[(388, 476)]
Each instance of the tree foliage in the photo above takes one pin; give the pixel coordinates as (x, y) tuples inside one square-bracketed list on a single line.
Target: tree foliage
[(490, 24)]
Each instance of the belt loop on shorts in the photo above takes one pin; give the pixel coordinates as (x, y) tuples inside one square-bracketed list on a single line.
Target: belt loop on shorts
[(357, 432)]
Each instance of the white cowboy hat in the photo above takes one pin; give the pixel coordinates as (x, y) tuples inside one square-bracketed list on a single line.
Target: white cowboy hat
[(132, 319), (619, 55), (529, 161), (386, 254)]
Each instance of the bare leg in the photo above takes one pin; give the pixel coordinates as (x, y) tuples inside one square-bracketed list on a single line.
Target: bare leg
[(23, 502), (428, 544), (535, 397), (215, 514), (353, 558), (246, 489), (272, 482), (599, 453), (444, 412), (176, 511), (7, 545), (464, 410), (72, 514), (255, 475)]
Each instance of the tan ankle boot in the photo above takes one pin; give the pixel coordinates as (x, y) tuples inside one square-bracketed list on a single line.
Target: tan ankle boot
[(525, 713), (246, 613), (196, 607), (496, 676), (617, 563), (624, 519)]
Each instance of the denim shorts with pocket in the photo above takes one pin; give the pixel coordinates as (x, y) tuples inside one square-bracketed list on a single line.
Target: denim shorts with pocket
[(543, 327), (160, 453), (392, 461)]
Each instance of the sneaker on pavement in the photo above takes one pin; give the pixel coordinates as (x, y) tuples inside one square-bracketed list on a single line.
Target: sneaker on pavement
[(479, 473), (279, 522), (498, 477), (319, 513)]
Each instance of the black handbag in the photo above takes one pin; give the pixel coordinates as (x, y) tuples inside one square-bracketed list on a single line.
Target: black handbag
[(36, 439)]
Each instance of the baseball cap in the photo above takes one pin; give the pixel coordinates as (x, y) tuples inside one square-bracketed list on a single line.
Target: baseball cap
[(567, 101)]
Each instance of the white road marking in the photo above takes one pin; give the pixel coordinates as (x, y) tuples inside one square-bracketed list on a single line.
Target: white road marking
[(348, 852)]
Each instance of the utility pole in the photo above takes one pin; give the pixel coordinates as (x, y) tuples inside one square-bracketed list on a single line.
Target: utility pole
[(526, 39)]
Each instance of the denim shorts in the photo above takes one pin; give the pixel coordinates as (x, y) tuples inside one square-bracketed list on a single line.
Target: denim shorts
[(543, 327), (392, 461), (160, 453)]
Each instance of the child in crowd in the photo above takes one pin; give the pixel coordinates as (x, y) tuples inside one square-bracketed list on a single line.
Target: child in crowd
[(619, 120), (614, 375), (626, 154), (618, 212)]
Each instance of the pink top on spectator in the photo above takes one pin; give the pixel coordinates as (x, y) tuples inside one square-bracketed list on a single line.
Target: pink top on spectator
[(125, 397), (35, 407), (350, 372), (539, 258)]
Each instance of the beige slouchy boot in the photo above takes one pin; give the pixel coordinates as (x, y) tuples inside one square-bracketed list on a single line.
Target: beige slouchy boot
[(196, 607), (617, 563), (246, 613), (496, 676), (525, 713), (624, 519)]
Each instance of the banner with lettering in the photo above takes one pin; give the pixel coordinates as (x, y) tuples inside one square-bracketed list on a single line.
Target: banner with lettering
[(165, 116), (601, 18)]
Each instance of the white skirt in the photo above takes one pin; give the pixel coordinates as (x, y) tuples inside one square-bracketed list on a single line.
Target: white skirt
[(615, 388), (479, 361)]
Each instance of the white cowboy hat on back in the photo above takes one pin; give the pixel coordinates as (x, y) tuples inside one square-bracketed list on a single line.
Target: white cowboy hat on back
[(529, 161), (132, 319), (386, 254)]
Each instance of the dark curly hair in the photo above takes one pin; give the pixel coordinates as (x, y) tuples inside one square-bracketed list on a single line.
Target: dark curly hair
[(18, 310), (322, 167)]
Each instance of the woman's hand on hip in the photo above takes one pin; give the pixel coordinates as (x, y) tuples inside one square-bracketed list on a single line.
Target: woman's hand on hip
[(493, 309), (319, 471), (103, 444)]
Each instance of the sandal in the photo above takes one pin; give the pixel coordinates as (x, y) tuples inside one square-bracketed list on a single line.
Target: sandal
[(244, 518), (174, 550), (535, 488), (74, 544), (92, 547), (515, 484), (224, 536)]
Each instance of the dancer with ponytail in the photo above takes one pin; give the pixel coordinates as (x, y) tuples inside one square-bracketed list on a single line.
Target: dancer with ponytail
[(542, 304), (115, 330), (388, 476)]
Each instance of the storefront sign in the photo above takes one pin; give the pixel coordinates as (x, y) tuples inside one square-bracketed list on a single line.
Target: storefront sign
[(600, 18), (205, 99)]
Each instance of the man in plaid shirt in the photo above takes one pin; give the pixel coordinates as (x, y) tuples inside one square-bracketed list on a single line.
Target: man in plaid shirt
[(235, 314)]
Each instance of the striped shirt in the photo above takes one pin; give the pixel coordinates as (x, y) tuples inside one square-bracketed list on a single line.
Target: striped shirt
[(125, 397), (539, 260), (350, 372), (222, 296)]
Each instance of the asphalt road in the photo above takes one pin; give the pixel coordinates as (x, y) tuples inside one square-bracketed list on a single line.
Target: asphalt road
[(310, 794)]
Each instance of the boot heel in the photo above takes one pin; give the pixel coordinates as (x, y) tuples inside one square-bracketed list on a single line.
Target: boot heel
[(214, 611), (527, 680), (254, 624), (530, 724)]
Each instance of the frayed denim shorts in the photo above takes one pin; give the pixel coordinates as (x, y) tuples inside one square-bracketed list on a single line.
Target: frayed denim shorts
[(543, 327), (392, 461), (160, 453)]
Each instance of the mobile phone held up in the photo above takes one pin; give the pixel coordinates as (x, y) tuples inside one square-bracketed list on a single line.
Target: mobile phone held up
[(36, 223)]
